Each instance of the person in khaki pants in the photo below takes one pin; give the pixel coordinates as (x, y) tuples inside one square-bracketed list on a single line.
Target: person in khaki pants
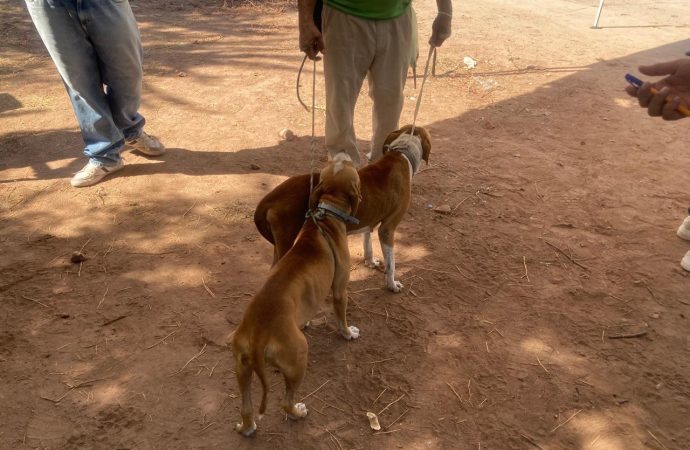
[(364, 38)]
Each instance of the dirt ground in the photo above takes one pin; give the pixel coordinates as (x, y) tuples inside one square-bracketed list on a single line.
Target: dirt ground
[(565, 199)]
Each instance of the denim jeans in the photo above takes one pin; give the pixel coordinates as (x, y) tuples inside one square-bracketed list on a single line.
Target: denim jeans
[(96, 47)]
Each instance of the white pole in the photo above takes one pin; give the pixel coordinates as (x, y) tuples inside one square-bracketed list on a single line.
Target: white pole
[(596, 19)]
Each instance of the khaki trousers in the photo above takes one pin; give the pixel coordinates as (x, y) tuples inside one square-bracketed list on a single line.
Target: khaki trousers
[(355, 48)]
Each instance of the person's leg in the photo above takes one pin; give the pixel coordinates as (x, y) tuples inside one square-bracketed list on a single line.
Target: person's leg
[(113, 30), (387, 76), (350, 45), (63, 32)]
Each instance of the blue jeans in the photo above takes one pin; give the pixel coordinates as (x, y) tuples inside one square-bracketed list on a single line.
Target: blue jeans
[(96, 47)]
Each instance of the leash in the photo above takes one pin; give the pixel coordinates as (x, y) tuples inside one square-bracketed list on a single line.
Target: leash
[(313, 128), (313, 116), (432, 52)]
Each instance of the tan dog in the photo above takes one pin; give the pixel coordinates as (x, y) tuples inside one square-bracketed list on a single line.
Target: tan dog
[(386, 193), (318, 262)]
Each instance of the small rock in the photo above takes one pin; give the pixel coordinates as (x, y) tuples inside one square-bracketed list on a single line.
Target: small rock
[(181, 74), (659, 386), (373, 421), (442, 209), (654, 315), (77, 257), (287, 134), (469, 62), (254, 167)]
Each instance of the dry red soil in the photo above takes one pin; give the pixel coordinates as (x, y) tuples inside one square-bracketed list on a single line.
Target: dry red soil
[(565, 199)]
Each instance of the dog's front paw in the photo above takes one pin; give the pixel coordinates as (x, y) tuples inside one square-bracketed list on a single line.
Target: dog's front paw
[(352, 333), (298, 411), (246, 431), (373, 263), (395, 286)]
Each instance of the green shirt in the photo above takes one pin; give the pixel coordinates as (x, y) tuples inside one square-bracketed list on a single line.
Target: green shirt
[(371, 9)]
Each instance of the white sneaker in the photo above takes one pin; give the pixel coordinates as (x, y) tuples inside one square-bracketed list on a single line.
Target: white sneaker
[(92, 173), (146, 144), (685, 262), (684, 229)]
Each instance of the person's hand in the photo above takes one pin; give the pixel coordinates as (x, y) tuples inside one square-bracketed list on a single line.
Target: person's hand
[(675, 88), (440, 30), (311, 40)]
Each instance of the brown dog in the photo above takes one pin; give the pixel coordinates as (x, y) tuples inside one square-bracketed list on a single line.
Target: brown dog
[(386, 193), (318, 262)]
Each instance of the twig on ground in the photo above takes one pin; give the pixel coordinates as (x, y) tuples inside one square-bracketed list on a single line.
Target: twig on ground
[(365, 290), (315, 391), (463, 201), (542, 365), (379, 396), (399, 417), (463, 274), (329, 405), (390, 404), (626, 336), (213, 368), (85, 244), (657, 440), (190, 208), (161, 340), (565, 254), (212, 423), (210, 292), (335, 438), (380, 361), (71, 388), (454, 392), (102, 299), (386, 432), (531, 441), (191, 359), (568, 420), (34, 300), (110, 322), (524, 263)]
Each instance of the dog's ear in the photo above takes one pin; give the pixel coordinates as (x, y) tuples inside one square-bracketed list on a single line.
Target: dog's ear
[(425, 137), (355, 197), (315, 196)]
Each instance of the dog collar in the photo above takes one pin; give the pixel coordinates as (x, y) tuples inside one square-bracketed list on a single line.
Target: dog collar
[(410, 147), (324, 208)]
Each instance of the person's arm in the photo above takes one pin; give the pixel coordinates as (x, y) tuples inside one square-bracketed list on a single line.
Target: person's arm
[(673, 91), (310, 38), (440, 30)]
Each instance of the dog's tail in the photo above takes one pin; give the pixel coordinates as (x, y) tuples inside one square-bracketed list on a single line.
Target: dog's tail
[(260, 369)]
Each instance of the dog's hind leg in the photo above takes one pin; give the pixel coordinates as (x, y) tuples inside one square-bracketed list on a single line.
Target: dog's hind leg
[(369, 259), (340, 304), (387, 238), (244, 379), (292, 363)]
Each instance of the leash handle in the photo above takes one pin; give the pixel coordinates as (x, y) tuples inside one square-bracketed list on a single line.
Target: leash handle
[(432, 52)]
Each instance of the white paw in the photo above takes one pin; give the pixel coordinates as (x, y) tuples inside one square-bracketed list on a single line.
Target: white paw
[(248, 432), (354, 333), (299, 411), (373, 263), (396, 286)]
